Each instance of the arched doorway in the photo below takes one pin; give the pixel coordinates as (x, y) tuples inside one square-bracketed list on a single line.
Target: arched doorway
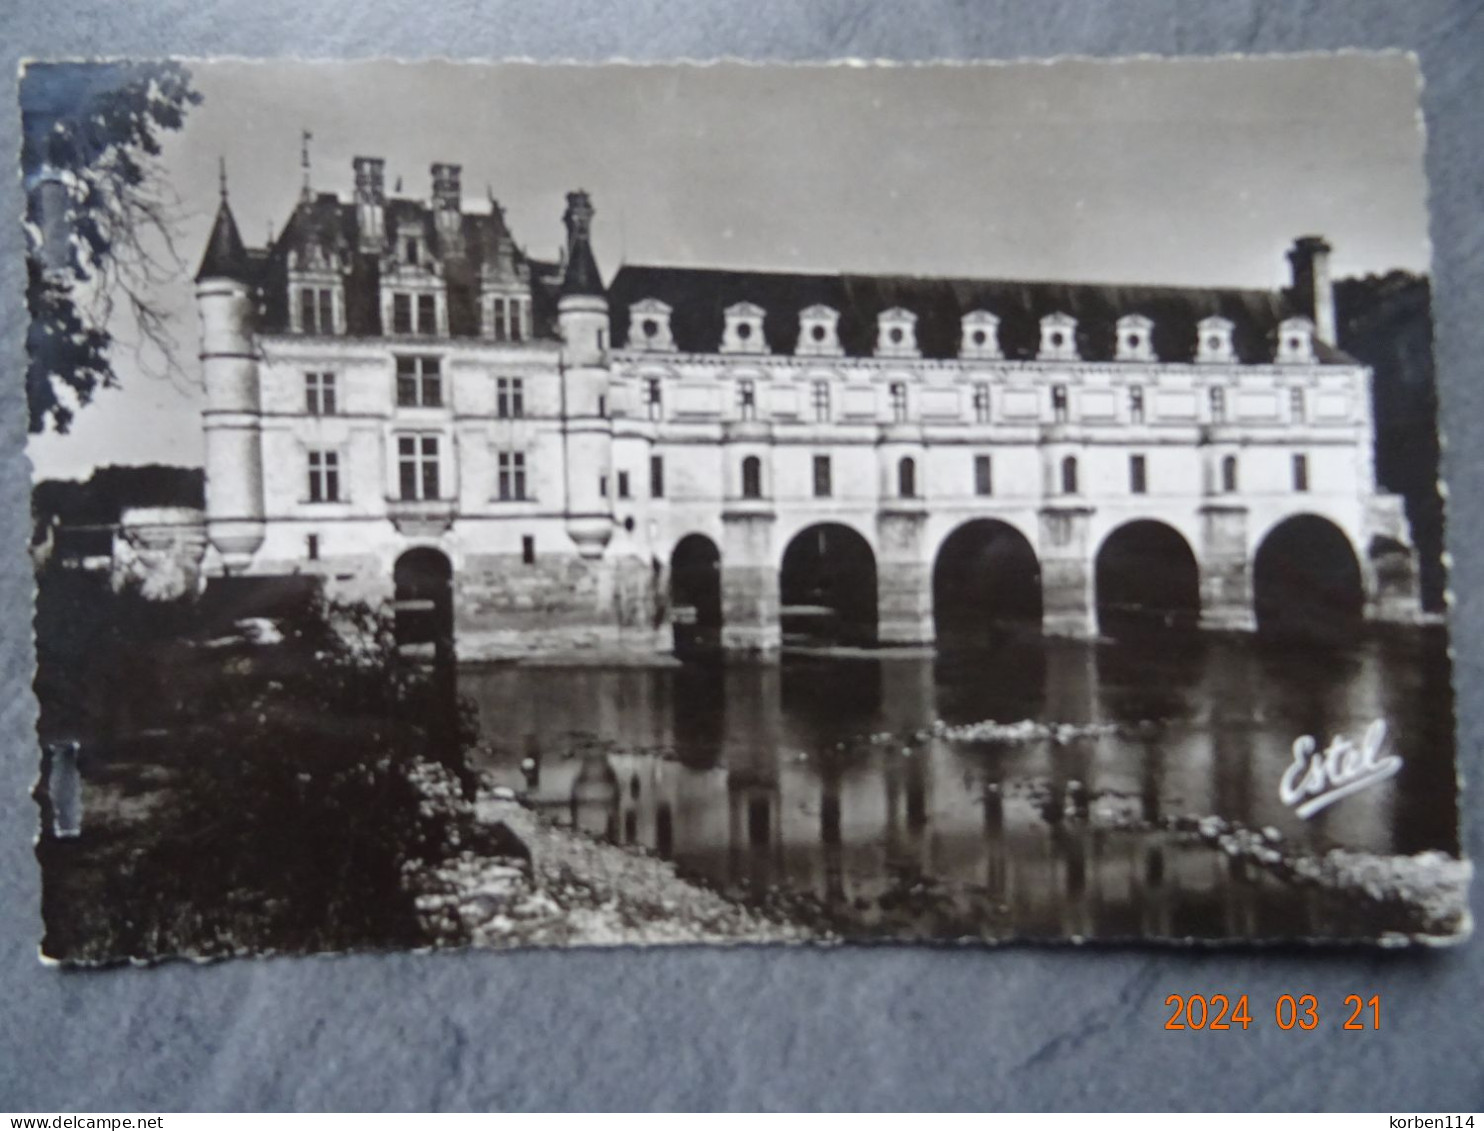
[(695, 595), (424, 599), (1306, 581), (986, 578), (827, 587), (1146, 577)]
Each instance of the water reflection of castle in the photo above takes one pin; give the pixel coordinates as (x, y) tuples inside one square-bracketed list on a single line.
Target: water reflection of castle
[(763, 778)]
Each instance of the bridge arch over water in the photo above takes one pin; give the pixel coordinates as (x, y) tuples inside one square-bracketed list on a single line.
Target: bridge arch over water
[(986, 578), (1145, 576), (827, 586), (695, 595), (1307, 580)]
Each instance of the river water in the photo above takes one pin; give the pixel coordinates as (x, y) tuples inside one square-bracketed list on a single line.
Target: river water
[(821, 783)]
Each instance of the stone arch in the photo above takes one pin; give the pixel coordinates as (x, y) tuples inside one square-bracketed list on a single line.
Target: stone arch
[(1146, 575), (422, 602), (827, 586), (1307, 580), (986, 577), (695, 595)]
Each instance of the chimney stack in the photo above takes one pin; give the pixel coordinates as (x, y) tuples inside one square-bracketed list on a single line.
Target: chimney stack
[(370, 201), (1313, 290), (447, 194), (370, 179)]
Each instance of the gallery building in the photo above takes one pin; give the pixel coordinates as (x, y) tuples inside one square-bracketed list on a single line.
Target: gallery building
[(402, 402)]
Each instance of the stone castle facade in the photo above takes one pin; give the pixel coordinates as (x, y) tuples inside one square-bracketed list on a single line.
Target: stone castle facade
[(402, 402)]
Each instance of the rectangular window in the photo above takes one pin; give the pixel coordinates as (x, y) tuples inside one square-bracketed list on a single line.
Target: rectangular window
[(401, 313), (427, 314), (1300, 473), (1138, 475), (603, 486), (821, 396), (603, 406), (324, 477), (512, 476), (417, 467), (419, 383), (319, 394), (528, 549), (311, 547), (652, 397), (983, 476), (898, 401), (823, 488), (411, 252), (656, 477), (1296, 404), (746, 400), (981, 403), (316, 310), (498, 320), (1218, 405), (510, 397), (1136, 404), (520, 325), (1059, 403), (623, 484)]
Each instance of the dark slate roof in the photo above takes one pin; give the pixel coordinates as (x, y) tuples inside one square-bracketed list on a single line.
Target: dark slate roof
[(699, 296), (226, 257), (485, 248)]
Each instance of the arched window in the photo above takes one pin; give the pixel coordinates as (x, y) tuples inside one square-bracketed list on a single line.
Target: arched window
[(752, 478), (1229, 474), (907, 478), (1069, 475)]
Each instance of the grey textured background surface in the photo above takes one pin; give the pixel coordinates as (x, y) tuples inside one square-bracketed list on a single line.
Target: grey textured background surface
[(751, 1028)]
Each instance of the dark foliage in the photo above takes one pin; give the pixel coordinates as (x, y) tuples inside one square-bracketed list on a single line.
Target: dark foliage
[(284, 807), (1386, 322), (91, 133), (105, 494)]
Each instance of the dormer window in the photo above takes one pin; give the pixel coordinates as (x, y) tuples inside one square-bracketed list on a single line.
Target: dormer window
[(649, 326), (1135, 333), (819, 333), (317, 309), (411, 248), (743, 332), (1214, 340), (896, 333), (1296, 340), (508, 317), (981, 336), (416, 312), (1058, 338)]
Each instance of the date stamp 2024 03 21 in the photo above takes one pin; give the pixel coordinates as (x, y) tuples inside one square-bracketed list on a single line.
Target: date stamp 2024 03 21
[(1222, 1012)]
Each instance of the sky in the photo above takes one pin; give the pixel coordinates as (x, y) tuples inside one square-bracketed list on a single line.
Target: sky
[(1137, 171)]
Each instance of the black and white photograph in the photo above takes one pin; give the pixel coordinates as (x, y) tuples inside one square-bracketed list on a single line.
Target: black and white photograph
[(526, 505)]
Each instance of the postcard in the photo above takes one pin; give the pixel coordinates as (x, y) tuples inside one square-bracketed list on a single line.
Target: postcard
[(508, 504)]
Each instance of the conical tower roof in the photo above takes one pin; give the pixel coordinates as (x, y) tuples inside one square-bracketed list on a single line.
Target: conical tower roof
[(226, 256), (581, 276)]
